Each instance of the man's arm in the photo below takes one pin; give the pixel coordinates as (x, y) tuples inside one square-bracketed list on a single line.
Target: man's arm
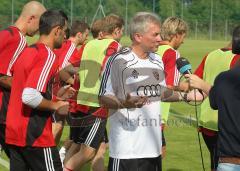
[(34, 99), (61, 107), (171, 96)]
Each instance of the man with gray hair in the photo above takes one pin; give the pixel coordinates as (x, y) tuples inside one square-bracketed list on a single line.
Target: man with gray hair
[(135, 134)]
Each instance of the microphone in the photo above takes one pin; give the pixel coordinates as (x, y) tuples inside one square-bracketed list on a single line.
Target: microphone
[(183, 66)]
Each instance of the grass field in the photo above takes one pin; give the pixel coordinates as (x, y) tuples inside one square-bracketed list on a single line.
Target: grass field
[(182, 144)]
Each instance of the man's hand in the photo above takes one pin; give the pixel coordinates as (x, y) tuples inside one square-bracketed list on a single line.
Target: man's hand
[(198, 83), (66, 92), (134, 102), (62, 107), (195, 81), (5, 81)]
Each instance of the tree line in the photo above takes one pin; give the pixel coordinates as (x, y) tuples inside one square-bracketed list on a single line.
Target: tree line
[(193, 11)]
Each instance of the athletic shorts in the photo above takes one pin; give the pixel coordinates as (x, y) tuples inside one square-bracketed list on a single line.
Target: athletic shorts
[(2, 139), (34, 159), (105, 137), (90, 129), (141, 164), (58, 118), (73, 129)]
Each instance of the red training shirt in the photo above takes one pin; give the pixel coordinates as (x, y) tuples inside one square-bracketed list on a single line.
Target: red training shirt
[(12, 43), (25, 126)]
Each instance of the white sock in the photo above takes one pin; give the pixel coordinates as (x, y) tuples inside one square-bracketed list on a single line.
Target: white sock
[(62, 154), (62, 150)]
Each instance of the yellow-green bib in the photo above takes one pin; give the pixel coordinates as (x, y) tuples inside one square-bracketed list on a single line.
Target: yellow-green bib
[(90, 71), (216, 62)]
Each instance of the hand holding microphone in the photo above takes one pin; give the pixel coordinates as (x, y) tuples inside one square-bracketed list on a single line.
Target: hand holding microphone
[(184, 67), (194, 81)]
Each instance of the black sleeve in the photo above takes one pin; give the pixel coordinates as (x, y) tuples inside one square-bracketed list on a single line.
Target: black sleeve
[(212, 98)]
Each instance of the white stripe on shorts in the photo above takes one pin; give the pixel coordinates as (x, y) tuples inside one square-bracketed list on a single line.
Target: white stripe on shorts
[(93, 131)]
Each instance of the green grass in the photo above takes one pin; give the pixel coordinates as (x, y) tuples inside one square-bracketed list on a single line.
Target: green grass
[(182, 143)]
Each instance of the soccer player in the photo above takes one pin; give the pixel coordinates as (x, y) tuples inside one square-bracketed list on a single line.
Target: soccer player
[(95, 54), (78, 35), (96, 29), (98, 160), (134, 145), (12, 44), (29, 118), (173, 32)]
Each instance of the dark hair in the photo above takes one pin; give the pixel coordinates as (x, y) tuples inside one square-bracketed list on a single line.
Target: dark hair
[(236, 40), (78, 26), (51, 19)]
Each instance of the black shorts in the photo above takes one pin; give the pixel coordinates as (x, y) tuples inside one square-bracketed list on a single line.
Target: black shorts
[(56, 118), (34, 159), (2, 139), (141, 164), (72, 132), (89, 130), (105, 137)]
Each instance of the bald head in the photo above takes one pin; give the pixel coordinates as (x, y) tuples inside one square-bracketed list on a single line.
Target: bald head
[(33, 8), (28, 21)]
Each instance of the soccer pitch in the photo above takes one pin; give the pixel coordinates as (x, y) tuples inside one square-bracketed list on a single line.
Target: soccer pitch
[(182, 144)]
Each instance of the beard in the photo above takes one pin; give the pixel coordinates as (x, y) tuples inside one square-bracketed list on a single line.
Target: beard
[(58, 45)]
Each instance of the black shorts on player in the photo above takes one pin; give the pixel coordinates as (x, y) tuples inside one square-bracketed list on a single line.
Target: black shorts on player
[(34, 159), (88, 129), (2, 139), (141, 164)]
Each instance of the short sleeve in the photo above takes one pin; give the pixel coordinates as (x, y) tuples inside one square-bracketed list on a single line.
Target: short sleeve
[(76, 57), (110, 72), (199, 71), (172, 74), (111, 50), (235, 61), (42, 71)]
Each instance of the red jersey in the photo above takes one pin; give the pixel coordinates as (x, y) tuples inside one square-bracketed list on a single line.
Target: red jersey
[(25, 126), (67, 51), (12, 44), (172, 74), (75, 59)]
